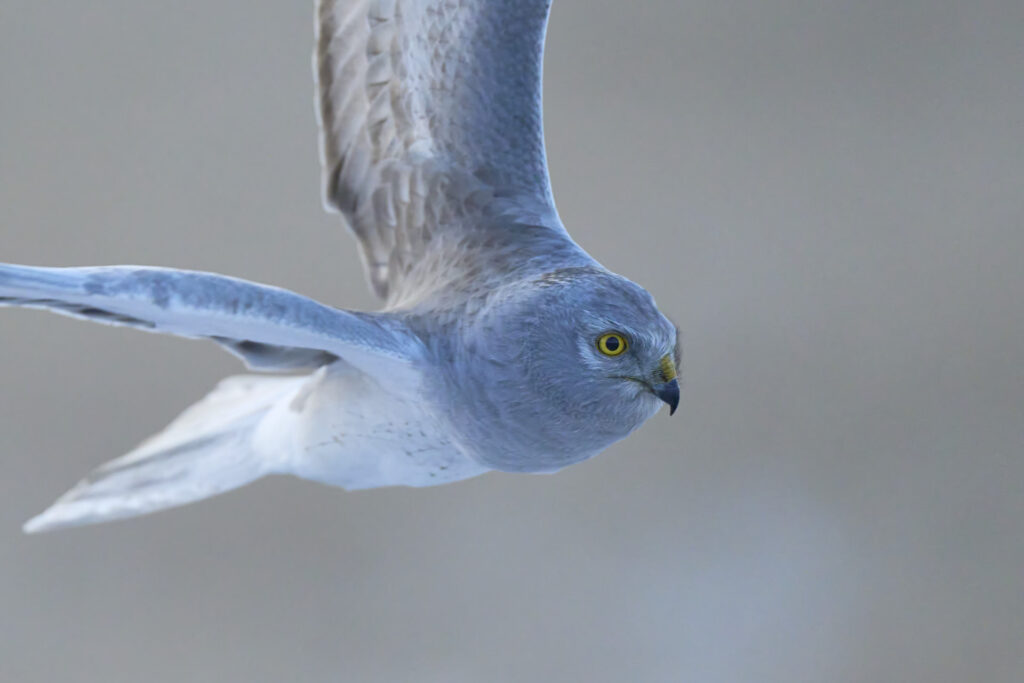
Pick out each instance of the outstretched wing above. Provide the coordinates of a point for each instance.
(270, 328)
(430, 125)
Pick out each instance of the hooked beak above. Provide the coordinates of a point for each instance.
(667, 387)
(669, 393)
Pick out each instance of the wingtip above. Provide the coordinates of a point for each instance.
(35, 525)
(53, 518)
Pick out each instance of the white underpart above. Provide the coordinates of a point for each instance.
(345, 428)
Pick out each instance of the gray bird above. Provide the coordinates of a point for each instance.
(502, 344)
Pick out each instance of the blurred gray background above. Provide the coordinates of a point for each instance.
(827, 196)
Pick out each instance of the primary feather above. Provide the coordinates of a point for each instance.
(257, 322)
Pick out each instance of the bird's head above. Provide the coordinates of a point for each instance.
(579, 360)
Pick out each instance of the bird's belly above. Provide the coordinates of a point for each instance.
(347, 430)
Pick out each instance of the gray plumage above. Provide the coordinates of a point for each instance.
(502, 345)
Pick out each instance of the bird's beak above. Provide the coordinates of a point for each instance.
(669, 393)
(666, 385)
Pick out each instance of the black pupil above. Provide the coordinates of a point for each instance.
(612, 344)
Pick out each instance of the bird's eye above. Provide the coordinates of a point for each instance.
(611, 344)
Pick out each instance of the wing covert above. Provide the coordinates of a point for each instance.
(430, 123)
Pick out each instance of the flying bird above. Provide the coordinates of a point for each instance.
(501, 345)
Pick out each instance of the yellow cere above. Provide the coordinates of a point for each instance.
(612, 344)
(668, 368)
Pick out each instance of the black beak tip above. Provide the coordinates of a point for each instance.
(669, 393)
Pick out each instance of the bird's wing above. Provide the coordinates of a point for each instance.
(430, 125)
(269, 328)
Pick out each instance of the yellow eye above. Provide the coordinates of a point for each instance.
(612, 344)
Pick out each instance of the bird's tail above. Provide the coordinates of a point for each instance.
(207, 450)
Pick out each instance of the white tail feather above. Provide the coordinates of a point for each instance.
(207, 450)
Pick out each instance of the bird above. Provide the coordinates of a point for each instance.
(501, 344)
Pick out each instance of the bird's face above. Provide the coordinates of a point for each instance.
(628, 353)
(631, 357)
(574, 367)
